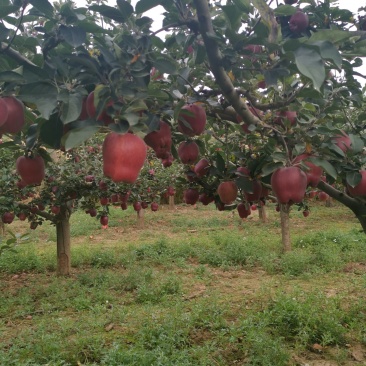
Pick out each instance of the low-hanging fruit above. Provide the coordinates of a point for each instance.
(160, 140)
(190, 196)
(15, 116)
(192, 120)
(227, 191)
(188, 152)
(31, 169)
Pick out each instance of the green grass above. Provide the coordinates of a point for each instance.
(195, 287)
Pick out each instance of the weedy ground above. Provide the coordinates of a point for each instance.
(192, 287)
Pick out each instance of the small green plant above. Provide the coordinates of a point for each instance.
(11, 243)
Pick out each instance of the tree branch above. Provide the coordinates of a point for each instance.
(15, 55)
(43, 214)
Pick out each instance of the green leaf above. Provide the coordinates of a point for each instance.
(6, 10)
(353, 178)
(243, 5)
(32, 136)
(332, 35)
(43, 6)
(132, 118)
(166, 65)
(329, 52)
(73, 35)
(71, 107)
(310, 64)
(232, 15)
(137, 105)
(270, 168)
(77, 136)
(328, 167)
(245, 184)
(199, 55)
(109, 12)
(42, 94)
(144, 5)
(51, 131)
(220, 163)
(356, 143)
(285, 10)
(125, 8)
(10, 77)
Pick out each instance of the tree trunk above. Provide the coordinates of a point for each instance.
(262, 213)
(140, 218)
(285, 227)
(328, 202)
(171, 203)
(63, 242)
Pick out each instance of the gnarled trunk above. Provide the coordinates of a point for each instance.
(285, 227)
(63, 242)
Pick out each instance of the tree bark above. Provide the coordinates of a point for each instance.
(262, 213)
(140, 218)
(63, 242)
(285, 227)
(171, 203)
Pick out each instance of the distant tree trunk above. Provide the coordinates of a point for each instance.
(262, 213)
(328, 202)
(285, 227)
(140, 218)
(356, 205)
(171, 203)
(63, 242)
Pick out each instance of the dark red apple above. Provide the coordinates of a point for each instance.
(289, 184)
(205, 198)
(22, 216)
(31, 169)
(299, 22)
(227, 191)
(103, 201)
(243, 210)
(154, 206)
(322, 196)
(202, 168)
(89, 178)
(192, 120)
(243, 171)
(103, 186)
(124, 206)
(15, 119)
(360, 189)
(144, 205)
(160, 141)
(253, 207)
(3, 111)
(55, 210)
(305, 213)
(188, 152)
(168, 161)
(8, 217)
(282, 116)
(104, 220)
(314, 173)
(220, 206)
(33, 225)
(170, 191)
(123, 157)
(41, 207)
(342, 141)
(137, 206)
(93, 212)
(114, 198)
(312, 194)
(190, 196)
(257, 192)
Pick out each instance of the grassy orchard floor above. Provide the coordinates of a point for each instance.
(194, 287)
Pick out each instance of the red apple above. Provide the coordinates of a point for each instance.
(15, 119)
(227, 192)
(188, 152)
(220, 206)
(92, 111)
(360, 189)
(243, 210)
(137, 206)
(192, 120)
(93, 212)
(202, 168)
(8, 217)
(305, 213)
(289, 184)
(104, 220)
(154, 206)
(342, 141)
(171, 191)
(314, 173)
(89, 178)
(103, 186)
(205, 198)
(190, 196)
(144, 205)
(278, 208)
(55, 210)
(123, 157)
(41, 207)
(3, 111)
(282, 116)
(124, 206)
(253, 207)
(257, 192)
(299, 22)
(33, 225)
(322, 196)
(103, 201)
(31, 169)
(160, 141)
(312, 194)
(243, 172)
(22, 216)
(168, 161)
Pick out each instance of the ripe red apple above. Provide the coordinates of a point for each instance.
(144, 205)
(93, 212)
(103, 201)
(227, 191)
(104, 220)
(192, 120)
(190, 196)
(314, 173)
(257, 192)
(3, 111)
(22, 216)
(305, 213)
(312, 194)
(360, 189)
(168, 161)
(220, 206)
(15, 119)
(322, 196)
(31, 169)
(289, 184)
(55, 210)
(188, 152)
(41, 207)
(170, 191)
(342, 141)
(137, 206)
(123, 157)
(243, 210)
(243, 171)
(92, 111)
(33, 225)
(124, 206)
(202, 168)
(103, 186)
(154, 206)
(253, 207)
(160, 141)
(205, 198)
(291, 116)
(262, 84)
(299, 22)
(8, 217)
